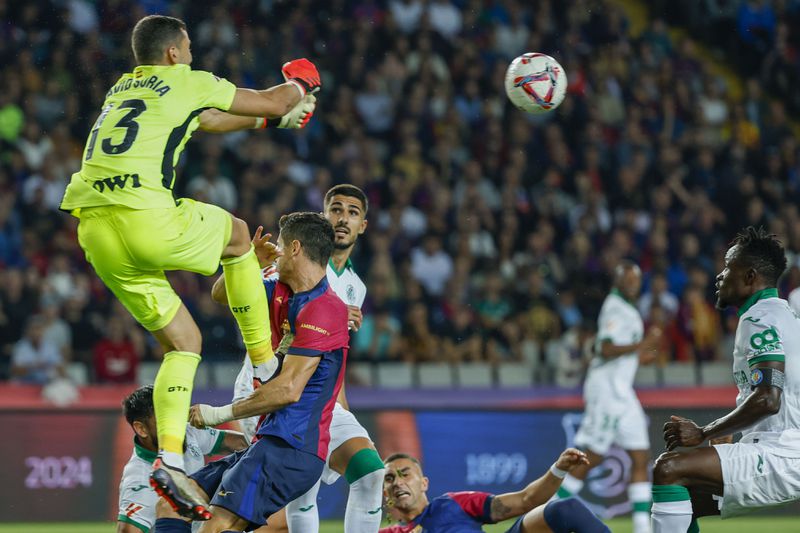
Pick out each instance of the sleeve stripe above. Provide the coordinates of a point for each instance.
(309, 352)
(131, 521)
(769, 357)
(218, 444)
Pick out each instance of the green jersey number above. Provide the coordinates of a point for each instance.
(137, 107)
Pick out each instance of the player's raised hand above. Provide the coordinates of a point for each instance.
(570, 458)
(354, 317)
(196, 417)
(304, 74)
(681, 431)
(266, 252)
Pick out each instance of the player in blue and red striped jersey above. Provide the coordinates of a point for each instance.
(405, 489)
(310, 339)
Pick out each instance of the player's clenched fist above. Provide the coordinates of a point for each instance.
(303, 73)
(570, 458)
(681, 431)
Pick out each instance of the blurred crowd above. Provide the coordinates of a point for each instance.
(491, 234)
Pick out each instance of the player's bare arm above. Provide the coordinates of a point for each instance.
(216, 121)
(284, 390)
(124, 527)
(511, 504)
(609, 350)
(266, 252)
(763, 402)
(301, 78)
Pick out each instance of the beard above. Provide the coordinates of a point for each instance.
(342, 245)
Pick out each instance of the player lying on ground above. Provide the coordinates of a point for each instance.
(351, 452)
(405, 489)
(137, 501)
(763, 468)
(309, 334)
(613, 413)
(132, 229)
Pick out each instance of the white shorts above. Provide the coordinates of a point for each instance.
(755, 476)
(607, 423)
(344, 427)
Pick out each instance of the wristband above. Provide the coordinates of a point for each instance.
(214, 416)
(560, 474)
(261, 123)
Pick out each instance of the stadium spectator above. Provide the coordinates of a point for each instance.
(35, 359)
(651, 156)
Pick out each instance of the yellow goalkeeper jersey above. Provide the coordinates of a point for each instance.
(134, 145)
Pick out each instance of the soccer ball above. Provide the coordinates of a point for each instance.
(535, 83)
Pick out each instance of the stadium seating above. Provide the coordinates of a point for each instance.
(434, 375)
(474, 375)
(680, 375)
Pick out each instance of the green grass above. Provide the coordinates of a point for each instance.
(760, 524)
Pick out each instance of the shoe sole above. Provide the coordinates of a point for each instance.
(197, 512)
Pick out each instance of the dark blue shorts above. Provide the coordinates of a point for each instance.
(256, 482)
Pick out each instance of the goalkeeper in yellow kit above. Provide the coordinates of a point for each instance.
(132, 229)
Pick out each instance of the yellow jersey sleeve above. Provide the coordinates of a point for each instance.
(136, 141)
(211, 90)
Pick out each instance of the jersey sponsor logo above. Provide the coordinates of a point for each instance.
(765, 341)
(117, 182)
(312, 327)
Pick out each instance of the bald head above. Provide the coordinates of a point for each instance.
(628, 279)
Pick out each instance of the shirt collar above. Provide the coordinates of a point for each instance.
(617, 292)
(347, 264)
(143, 453)
(763, 294)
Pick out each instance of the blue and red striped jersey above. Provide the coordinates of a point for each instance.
(314, 324)
(453, 512)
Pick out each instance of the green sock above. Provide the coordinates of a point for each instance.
(172, 395)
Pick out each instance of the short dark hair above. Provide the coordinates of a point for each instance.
(345, 189)
(396, 456)
(139, 405)
(763, 252)
(313, 231)
(152, 35)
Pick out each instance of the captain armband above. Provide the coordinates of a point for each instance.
(767, 377)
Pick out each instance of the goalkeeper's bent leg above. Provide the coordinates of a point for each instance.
(248, 302)
(172, 395)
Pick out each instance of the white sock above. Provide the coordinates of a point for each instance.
(175, 460)
(640, 493)
(672, 517)
(302, 515)
(363, 512)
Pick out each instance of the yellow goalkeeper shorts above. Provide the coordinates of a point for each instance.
(131, 248)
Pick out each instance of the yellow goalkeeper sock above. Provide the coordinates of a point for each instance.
(248, 302)
(172, 395)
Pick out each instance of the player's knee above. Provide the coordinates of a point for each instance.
(666, 469)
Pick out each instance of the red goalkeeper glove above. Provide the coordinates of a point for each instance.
(304, 74)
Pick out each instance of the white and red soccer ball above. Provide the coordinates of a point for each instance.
(535, 83)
